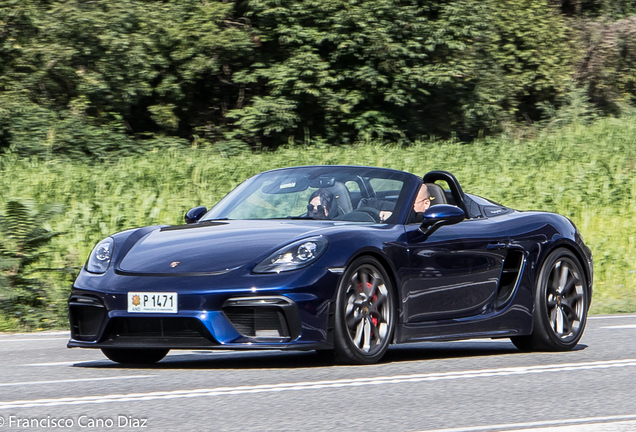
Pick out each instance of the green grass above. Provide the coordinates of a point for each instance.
(585, 172)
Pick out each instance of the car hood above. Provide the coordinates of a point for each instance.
(213, 247)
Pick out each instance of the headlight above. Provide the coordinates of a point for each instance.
(294, 256)
(100, 257)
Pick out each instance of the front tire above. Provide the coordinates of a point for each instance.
(137, 356)
(365, 313)
(561, 305)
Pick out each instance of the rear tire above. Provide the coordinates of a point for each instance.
(561, 305)
(365, 313)
(138, 356)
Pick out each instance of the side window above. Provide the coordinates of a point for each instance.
(386, 189)
(352, 186)
(354, 192)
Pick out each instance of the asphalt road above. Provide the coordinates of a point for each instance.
(452, 386)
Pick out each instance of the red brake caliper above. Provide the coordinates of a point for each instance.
(374, 298)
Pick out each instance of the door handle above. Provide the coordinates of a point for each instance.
(495, 246)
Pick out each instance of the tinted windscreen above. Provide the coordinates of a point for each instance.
(331, 192)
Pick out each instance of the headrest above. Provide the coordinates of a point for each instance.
(437, 193)
(343, 199)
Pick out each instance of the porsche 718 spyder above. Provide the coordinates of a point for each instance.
(349, 273)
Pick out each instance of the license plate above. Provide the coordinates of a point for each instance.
(155, 302)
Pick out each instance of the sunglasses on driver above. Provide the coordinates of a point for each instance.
(319, 209)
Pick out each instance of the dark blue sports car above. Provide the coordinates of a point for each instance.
(345, 260)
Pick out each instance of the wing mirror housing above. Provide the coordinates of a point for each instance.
(193, 215)
(440, 215)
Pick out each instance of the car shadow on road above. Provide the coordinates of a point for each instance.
(308, 359)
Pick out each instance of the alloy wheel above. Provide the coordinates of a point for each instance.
(368, 309)
(565, 299)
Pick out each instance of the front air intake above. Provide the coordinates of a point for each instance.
(258, 322)
(157, 327)
(86, 315)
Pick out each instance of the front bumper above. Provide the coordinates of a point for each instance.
(294, 314)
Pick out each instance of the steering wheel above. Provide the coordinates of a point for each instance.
(371, 211)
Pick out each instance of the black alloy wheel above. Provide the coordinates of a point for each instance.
(138, 356)
(561, 305)
(365, 313)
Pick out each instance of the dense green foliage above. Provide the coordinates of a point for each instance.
(24, 297)
(582, 171)
(87, 78)
(615, 9)
(347, 71)
(93, 78)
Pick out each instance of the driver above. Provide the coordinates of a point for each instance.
(321, 205)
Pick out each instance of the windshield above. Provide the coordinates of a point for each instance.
(347, 193)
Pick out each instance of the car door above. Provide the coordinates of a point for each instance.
(453, 272)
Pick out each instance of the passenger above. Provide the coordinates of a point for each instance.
(421, 204)
(322, 205)
(423, 200)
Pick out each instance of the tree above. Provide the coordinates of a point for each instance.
(398, 69)
(100, 78)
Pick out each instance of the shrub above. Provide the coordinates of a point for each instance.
(25, 297)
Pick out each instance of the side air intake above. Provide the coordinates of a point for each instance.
(510, 273)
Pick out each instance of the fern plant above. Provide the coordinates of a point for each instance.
(23, 297)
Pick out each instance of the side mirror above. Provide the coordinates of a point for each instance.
(440, 215)
(193, 215)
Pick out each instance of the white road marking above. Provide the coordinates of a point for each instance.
(627, 426)
(34, 339)
(628, 326)
(42, 333)
(314, 385)
(76, 380)
(548, 425)
(171, 355)
(600, 317)
(66, 363)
